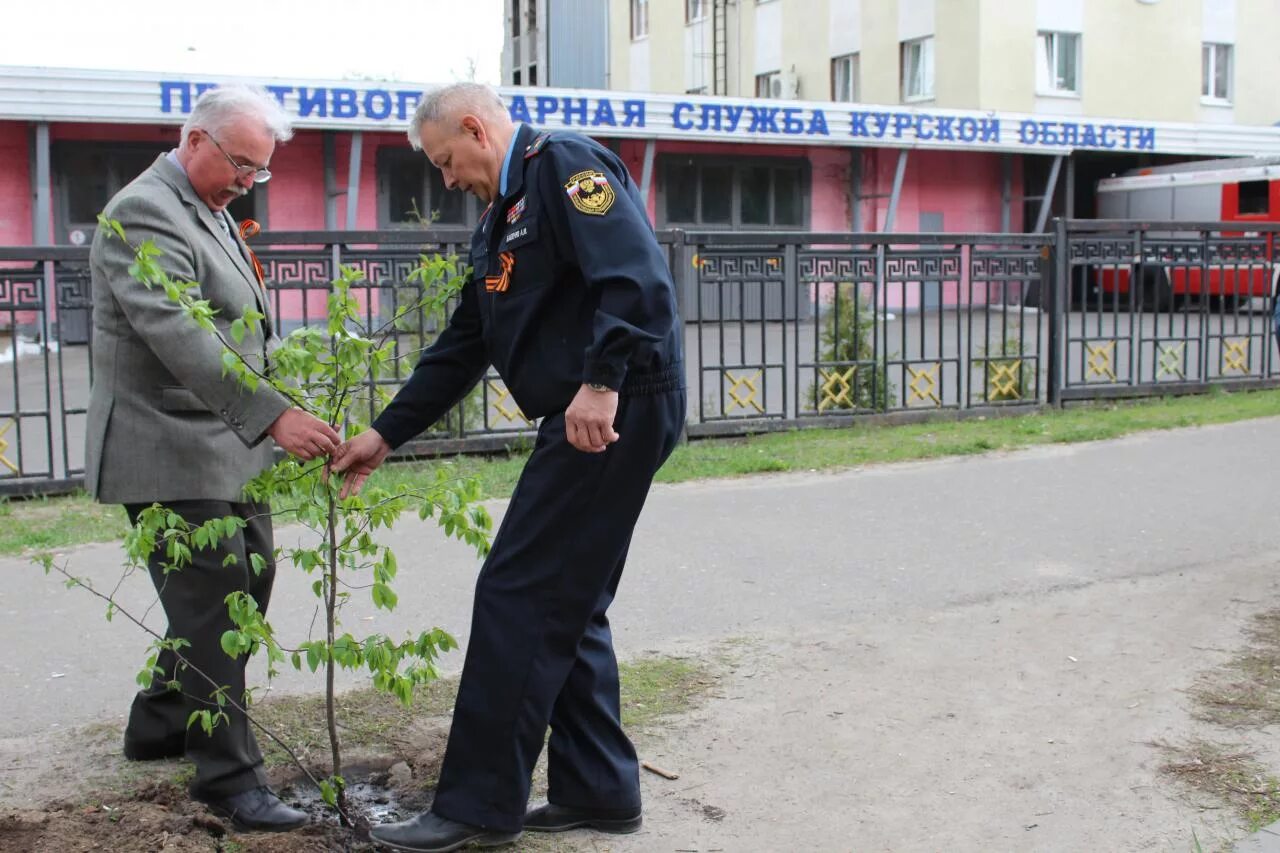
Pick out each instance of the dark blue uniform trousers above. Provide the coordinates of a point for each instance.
(540, 650)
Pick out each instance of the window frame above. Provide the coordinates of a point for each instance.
(388, 157)
(767, 79)
(690, 11)
(118, 174)
(738, 166)
(639, 19)
(1048, 61)
(853, 62)
(1208, 73)
(927, 55)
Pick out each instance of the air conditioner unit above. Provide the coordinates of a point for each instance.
(788, 83)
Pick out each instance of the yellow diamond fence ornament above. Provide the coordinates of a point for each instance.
(924, 383)
(511, 413)
(1101, 359)
(742, 398)
(837, 387)
(4, 445)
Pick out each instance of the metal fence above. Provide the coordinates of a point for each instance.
(781, 329)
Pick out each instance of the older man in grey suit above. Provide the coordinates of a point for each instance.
(166, 425)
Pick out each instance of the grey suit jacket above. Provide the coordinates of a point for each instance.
(164, 423)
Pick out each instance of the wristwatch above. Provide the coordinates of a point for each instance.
(596, 386)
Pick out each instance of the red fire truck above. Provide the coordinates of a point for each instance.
(1236, 190)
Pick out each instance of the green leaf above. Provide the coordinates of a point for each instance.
(384, 596)
(231, 643)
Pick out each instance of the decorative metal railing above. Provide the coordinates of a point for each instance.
(781, 329)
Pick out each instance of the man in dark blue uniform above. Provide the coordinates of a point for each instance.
(572, 301)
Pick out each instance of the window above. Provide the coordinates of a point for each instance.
(411, 192)
(639, 19)
(515, 18)
(917, 69)
(88, 174)
(694, 10)
(1215, 78)
(1058, 63)
(769, 85)
(1254, 197)
(844, 78)
(745, 193)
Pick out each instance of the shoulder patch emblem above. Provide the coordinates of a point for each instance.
(590, 192)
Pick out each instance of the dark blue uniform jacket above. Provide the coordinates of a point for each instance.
(568, 286)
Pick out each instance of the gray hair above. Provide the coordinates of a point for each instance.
(446, 101)
(219, 108)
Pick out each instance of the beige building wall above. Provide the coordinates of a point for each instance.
(804, 46)
(666, 46)
(619, 46)
(1153, 76)
(1005, 55)
(1138, 61)
(879, 55)
(1257, 71)
(742, 34)
(957, 57)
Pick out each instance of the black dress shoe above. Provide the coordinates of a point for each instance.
(553, 818)
(257, 810)
(430, 833)
(137, 750)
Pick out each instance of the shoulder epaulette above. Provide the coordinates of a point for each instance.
(536, 146)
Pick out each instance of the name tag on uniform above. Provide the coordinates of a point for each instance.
(524, 231)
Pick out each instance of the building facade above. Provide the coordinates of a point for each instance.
(1193, 62)
(822, 115)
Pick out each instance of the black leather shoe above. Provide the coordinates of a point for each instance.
(430, 833)
(136, 750)
(553, 818)
(257, 810)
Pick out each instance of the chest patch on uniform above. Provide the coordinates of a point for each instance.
(515, 211)
(590, 192)
(523, 231)
(500, 283)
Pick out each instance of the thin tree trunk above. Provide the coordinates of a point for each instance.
(330, 619)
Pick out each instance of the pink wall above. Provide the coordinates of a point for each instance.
(832, 207)
(297, 199)
(15, 185)
(965, 187)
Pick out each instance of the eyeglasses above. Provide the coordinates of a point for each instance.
(259, 176)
